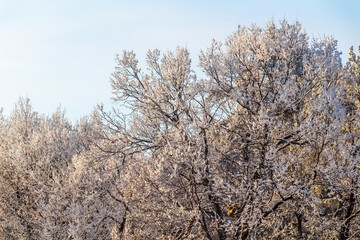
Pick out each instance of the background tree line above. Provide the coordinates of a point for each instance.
(264, 146)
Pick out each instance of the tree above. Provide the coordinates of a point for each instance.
(255, 150)
(36, 153)
(265, 145)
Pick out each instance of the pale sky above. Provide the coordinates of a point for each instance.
(62, 51)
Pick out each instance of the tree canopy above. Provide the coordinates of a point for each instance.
(264, 145)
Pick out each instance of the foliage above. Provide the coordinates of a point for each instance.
(264, 146)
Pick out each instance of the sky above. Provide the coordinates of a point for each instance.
(62, 52)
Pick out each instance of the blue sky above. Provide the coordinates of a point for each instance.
(62, 51)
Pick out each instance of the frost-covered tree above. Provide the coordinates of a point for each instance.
(264, 145)
(35, 164)
(257, 149)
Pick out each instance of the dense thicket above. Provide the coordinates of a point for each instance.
(264, 146)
